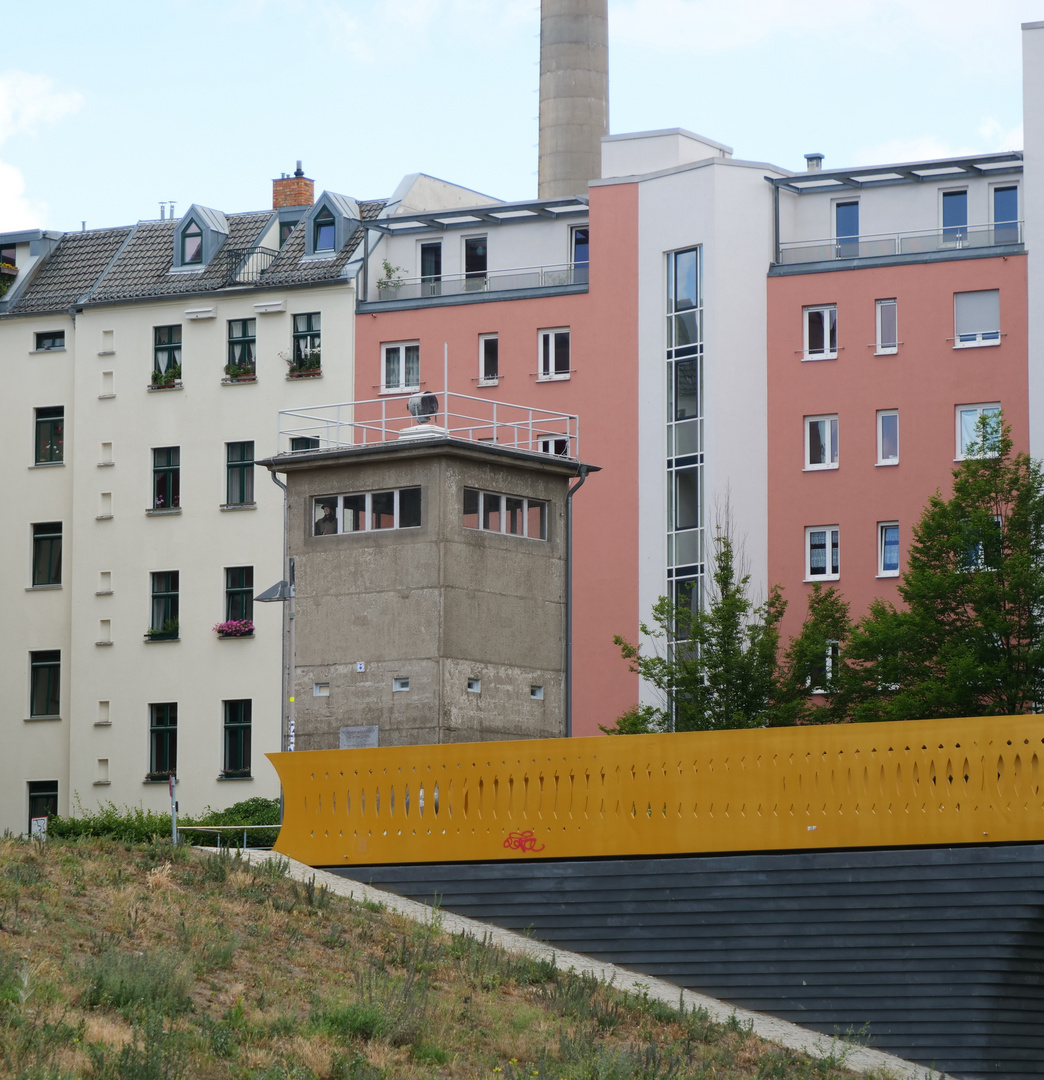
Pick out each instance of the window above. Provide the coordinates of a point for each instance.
(164, 604)
(163, 740)
(166, 477)
(50, 339)
(191, 244)
(324, 231)
(554, 353)
(237, 737)
(820, 442)
(240, 468)
(972, 439)
(45, 676)
(888, 549)
(846, 229)
(822, 562)
(50, 434)
(239, 593)
(474, 686)
(307, 339)
(285, 229)
(982, 543)
(888, 437)
(581, 245)
(821, 676)
(558, 447)
(1005, 215)
(489, 359)
(510, 514)
(167, 350)
(821, 332)
(431, 268)
(47, 553)
(976, 318)
(475, 262)
(43, 800)
(400, 685)
(303, 442)
(955, 216)
(887, 327)
(367, 512)
(242, 344)
(536, 693)
(401, 367)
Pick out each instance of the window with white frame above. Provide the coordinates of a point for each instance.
(366, 511)
(489, 359)
(888, 549)
(983, 543)
(822, 677)
(888, 437)
(887, 327)
(554, 353)
(821, 332)
(821, 442)
(976, 318)
(510, 514)
(400, 367)
(972, 440)
(822, 553)
(558, 447)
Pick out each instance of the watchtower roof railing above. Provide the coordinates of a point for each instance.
(360, 423)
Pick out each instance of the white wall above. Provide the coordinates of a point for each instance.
(1033, 213)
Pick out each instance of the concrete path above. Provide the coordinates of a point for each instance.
(782, 1032)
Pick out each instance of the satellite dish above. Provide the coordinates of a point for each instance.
(423, 406)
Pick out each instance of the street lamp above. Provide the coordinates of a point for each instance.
(283, 593)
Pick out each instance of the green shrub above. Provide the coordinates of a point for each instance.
(360, 1020)
(151, 981)
(132, 825)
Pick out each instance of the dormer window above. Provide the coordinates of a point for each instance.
(191, 244)
(325, 231)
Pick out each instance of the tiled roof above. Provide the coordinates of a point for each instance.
(70, 270)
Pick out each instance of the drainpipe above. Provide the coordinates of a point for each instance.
(569, 602)
(288, 624)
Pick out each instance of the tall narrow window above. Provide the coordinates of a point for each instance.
(166, 351)
(888, 437)
(554, 353)
(166, 477)
(821, 444)
(285, 229)
(976, 318)
(191, 244)
(846, 225)
(239, 593)
(240, 469)
(1006, 215)
(324, 231)
(955, 216)
(581, 238)
(50, 434)
(163, 740)
(45, 677)
(307, 339)
(401, 367)
(164, 604)
(237, 737)
(821, 332)
(888, 549)
(475, 262)
(242, 346)
(887, 327)
(489, 359)
(43, 801)
(47, 553)
(431, 268)
(822, 553)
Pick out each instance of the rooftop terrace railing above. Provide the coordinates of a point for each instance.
(361, 423)
(521, 277)
(953, 238)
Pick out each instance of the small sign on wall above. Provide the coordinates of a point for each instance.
(359, 737)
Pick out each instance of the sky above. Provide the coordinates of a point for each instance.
(111, 107)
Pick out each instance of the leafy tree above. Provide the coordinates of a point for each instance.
(970, 641)
(637, 720)
(810, 677)
(714, 667)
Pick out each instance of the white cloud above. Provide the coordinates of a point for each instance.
(27, 103)
(995, 138)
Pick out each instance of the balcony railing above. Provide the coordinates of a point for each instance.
(519, 277)
(953, 238)
(244, 266)
(361, 423)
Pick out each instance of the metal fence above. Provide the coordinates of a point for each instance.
(522, 277)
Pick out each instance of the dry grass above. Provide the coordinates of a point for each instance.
(121, 962)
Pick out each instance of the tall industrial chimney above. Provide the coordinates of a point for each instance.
(574, 94)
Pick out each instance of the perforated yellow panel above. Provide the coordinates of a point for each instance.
(959, 781)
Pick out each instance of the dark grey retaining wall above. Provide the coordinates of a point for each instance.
(939, 953)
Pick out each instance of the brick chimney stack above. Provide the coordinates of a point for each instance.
(296, 190)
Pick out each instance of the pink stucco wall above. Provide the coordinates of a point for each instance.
(924, 380)
(602, 390)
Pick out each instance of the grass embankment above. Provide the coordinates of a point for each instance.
(124, 961)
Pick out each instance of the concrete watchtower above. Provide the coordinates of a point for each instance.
(430, 592)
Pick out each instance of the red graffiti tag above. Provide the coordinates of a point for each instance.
(523, 841)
